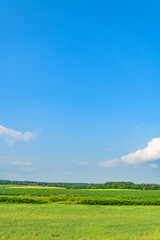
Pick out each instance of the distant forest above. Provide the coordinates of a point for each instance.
(107, 185)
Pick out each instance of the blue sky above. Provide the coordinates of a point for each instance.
(82, 78)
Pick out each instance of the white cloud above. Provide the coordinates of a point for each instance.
(150, 153)
(110, 163)
(83, 163)
(11, 136)
(22, 163)
(153, 165)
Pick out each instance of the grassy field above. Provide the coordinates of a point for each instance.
(78, 222)
(67, 214)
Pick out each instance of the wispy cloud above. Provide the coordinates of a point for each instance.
(110, 163)
(83, 163)
(66, 173)
(150, 128)
(11, 136)
(22, 163)
(154, 165)
(150, 153)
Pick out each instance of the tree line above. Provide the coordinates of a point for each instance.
(107, 185)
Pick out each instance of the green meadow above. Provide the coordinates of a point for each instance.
(78, 222)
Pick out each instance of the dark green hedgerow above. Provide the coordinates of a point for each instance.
(119, 201)
(80, 200)
(22, 200)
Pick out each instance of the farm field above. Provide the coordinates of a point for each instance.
(88, 197)
(41, 213)
(34, 187)
(51, 191)
(78, 222)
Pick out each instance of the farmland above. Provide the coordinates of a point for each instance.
(40, 213)
(88, 197)
(45, 191)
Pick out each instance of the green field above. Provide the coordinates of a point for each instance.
(44, 191)
(78, 222)
(49, 213)
(89, 197)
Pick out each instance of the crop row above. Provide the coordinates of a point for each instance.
(83, 193)
(79, 200)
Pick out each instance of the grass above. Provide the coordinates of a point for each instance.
(78, 222)
(67, 214)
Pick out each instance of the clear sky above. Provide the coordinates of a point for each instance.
(80, 90)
